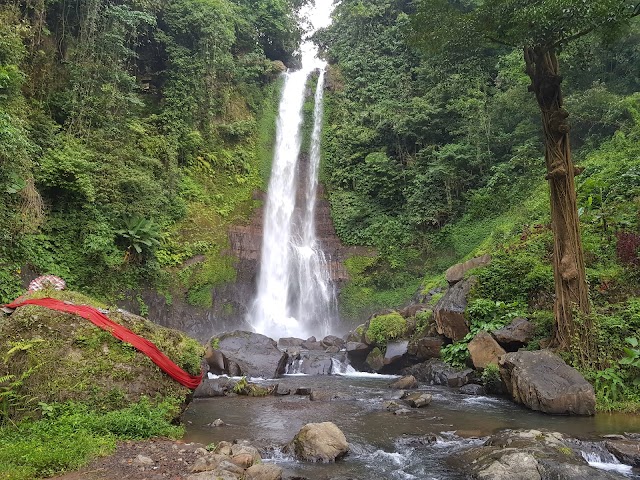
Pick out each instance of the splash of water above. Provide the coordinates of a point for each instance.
(295, 296)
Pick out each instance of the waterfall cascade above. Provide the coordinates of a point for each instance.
(295, 296)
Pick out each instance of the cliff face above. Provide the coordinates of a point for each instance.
(232, 301)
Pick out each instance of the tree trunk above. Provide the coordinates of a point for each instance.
(568, 262)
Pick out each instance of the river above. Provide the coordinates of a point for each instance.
(383, 445)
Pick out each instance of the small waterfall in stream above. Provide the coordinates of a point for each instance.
(295, 296)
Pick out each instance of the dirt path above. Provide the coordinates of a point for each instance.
(156, 459)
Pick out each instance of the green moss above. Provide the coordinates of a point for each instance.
(370, 289)
(386, 327)
(73, 360)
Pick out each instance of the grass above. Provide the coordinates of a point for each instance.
(70, 435)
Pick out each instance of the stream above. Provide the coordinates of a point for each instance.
(420, 445)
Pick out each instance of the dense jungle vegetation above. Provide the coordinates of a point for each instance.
(133, 132)
(433, 153)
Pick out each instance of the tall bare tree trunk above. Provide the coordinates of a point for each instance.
(568, 261)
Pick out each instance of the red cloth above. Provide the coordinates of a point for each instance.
(122, 333)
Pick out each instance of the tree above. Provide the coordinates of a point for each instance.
(540, 28)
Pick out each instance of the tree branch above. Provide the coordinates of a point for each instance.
(571, 38)
(501, 42)
(636, 11)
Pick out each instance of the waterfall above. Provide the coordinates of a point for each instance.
(295, 296)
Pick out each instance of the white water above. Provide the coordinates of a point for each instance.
(295, 296)
(606, 462)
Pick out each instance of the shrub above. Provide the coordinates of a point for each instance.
(386, 327)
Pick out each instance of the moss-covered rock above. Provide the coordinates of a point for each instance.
(62, 357)
(386, 327)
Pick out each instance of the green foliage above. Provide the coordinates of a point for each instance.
(366, 293)
(70, 435)
(424, 319)
(491, 377)
(482, 315)
(456, 354)
(632, 359)
(146, 111)
(240, 385)
(386, 327)
(139, 234)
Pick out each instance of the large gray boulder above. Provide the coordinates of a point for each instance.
(527, 455)
(248, 353)
(542, 381)
(449, 311)
(319, 442)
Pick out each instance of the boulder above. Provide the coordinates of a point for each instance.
(332, 341)
(357, 353)
(357, 347)
(449, 311)
(375, 359)
(319, 442)
(395, 351)
(357, 335)
(411, 310)
(263, 471)
(542, 381)
(418, 399)
(456, 273)
(425, 347)
(436, 372)
(515, 335)
(484, 350)
(626, 451)
(254, 355)
(472, 389)
(215, 359)
(316, 362)
(244, 455)
(79, 362)
(526, 455)
(404, 383)
(208, 462)
(288, 342)
(212, 387)
(312, 345)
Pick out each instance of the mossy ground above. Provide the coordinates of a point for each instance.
(70, 359)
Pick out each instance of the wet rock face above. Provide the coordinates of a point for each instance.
(542, 381)
(250, 354)
(319, 442)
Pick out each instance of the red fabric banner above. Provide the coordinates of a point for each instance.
(100, 320)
